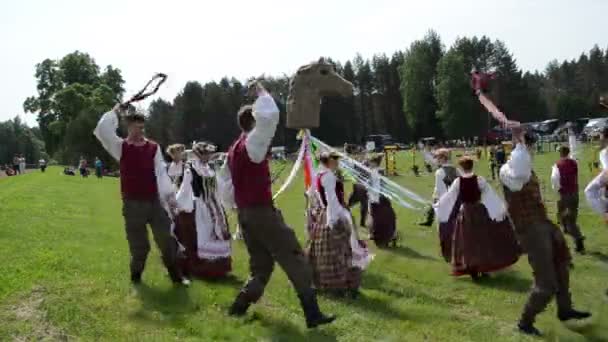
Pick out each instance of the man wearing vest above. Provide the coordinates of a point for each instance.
(267, 236)
(444, 177)
(146, 190)
(564, 179)
(541, 239)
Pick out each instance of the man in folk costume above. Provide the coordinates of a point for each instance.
(359, 195)
(335, 252)
(540, 238)
(201, 225)
(484, 240)
(429, 161)
(146, 191)
(444, 177)
(384, 220)
(564, 179)
(267, 236)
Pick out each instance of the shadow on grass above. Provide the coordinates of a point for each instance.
(283, 330)
(509, 281)
(230, 280)
(409, 253)
(599, 256)
(172, 304)
(378, 282)
(589, 330)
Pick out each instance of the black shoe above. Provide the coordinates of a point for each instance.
(239, 306)
(353, 293)
(136, 278)
(528, 329)
(573, 314)
(177, 278)
(425, 224)
(314, 316)
(580, 246)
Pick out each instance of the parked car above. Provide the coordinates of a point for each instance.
(594, 127)
(380, 140)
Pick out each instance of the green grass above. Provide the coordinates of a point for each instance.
(64, 275)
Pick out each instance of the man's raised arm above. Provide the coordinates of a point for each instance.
(106, 133)
(266, 114)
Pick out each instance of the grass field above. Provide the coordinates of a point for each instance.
(64, 276)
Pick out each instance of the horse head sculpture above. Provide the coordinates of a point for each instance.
(306, 89)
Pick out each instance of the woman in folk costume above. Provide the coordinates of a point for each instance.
(483, 239)
(383, 229)
(445, 175)
(336, 254)
(176, 168)
(201, 226)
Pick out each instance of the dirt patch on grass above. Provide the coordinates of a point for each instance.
(30, 314)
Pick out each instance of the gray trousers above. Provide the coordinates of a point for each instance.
(269, 239)
(137, 215)
(567, 211)
(544, 243)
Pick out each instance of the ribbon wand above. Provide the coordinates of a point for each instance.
(149, 89)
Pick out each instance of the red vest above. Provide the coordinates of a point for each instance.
(251, 181)
(339, 190)
(568, 176)
(469, 190)
(137, 172)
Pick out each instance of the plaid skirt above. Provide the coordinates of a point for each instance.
(330, 255)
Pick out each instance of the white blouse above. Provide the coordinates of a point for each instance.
(176, 169)
(595, 194)
(518, 169)
(335, 210)
(266, 114)
(496, 207)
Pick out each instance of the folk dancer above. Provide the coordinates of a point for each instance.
(540, 238)
(201, 225)
(267, 236)
(335, 252)
(483, 239)
(595, 193)
(146, 191)
(564, 179)
(359, 195)
(444, 177)
(384, 221)
(176, 167)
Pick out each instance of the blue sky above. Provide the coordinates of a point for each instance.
(205, 40)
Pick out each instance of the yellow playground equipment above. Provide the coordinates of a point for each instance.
(390, 156)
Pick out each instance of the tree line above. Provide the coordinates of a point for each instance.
(420, 91)
(16, 138)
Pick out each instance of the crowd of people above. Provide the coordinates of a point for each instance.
(187, 203)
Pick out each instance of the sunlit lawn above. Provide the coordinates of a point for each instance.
(64, 275)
